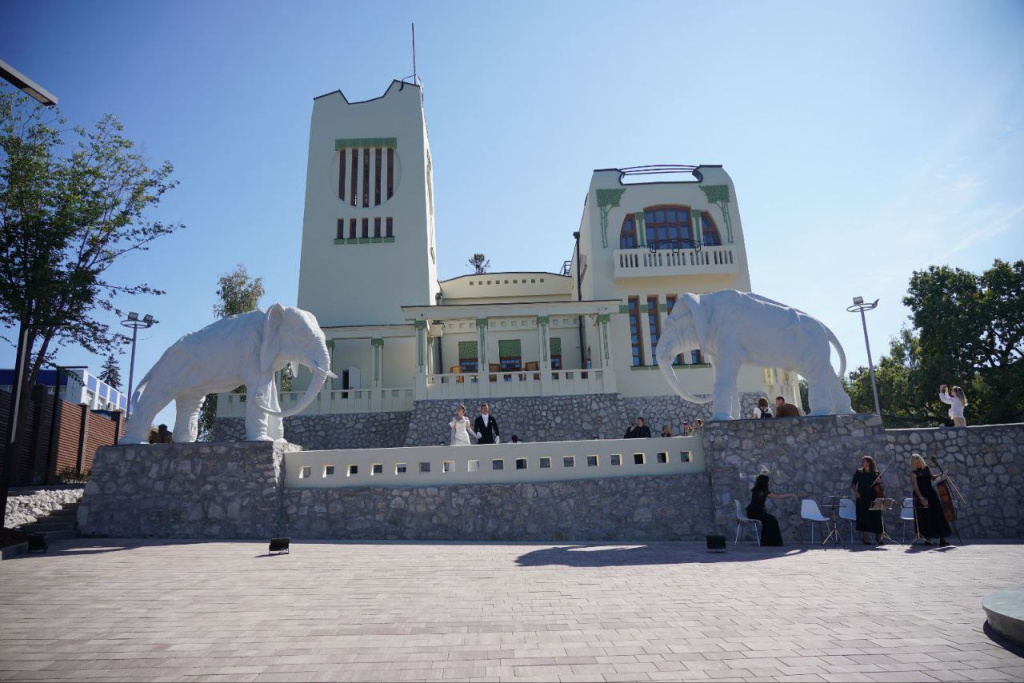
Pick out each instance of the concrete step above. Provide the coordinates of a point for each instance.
(62, 513)
(44, 526)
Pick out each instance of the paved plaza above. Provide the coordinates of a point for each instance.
(153, 610)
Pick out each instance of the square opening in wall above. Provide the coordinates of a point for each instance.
(305, 472)
(639, 459)
(353, 470)
(685, 456)
(569, 461)
(662, 458)
(473, 466)
(328, 470)
(520, 463)
(591, 461)
(424, 467)
(615, 459)
(497, 464)
(376, 468)
(545, 463)
(401, 468)
(447, 466)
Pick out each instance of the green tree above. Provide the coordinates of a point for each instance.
(73, 203)
(237, 293)
(479, 263)
(111, 372)
(904, 402)
(971, 331)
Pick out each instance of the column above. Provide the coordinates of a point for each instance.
(697, 226)
(608, 372)
(421, 359)
(641, 231)
(330, 357)
(376, 395)
(547, 387)
(481, 346)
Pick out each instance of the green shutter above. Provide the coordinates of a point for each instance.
(555, 344)
(467, 350)
(510, 348)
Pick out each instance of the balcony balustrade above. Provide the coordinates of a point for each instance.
(329, 402)
(641, 262)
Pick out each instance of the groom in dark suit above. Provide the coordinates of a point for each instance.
(486, 427)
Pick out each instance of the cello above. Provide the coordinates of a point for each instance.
(946, 489)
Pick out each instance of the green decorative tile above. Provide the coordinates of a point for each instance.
(365, 142)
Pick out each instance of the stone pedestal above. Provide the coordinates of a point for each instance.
(193, 490)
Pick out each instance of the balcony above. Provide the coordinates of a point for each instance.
(518, 383)
(641, 262)
(329, 402)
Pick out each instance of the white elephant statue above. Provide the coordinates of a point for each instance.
(244, 349)
(734, 328)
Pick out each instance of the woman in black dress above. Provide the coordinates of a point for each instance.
(931, 520)
(865, 487)
(759, 495)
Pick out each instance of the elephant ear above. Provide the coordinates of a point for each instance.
(271, 327)
(700, 317)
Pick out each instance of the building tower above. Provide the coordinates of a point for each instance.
(368, 227)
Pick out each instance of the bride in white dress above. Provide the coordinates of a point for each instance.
(460, 427)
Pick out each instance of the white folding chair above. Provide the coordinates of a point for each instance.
(742, 521)
(848, 511)
(907, 515)
(809, 510)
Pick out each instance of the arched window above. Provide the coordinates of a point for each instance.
(669, 226)
(711, 236)
(627, 237)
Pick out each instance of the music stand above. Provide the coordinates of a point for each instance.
(835, 526)
(883, 505)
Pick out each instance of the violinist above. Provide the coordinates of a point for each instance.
(931, 520)
(867, 486)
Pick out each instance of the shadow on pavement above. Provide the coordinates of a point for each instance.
(632, 554)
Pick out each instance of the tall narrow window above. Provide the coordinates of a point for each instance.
(341, 229)
(627, 236)
(635, 334)
(697, 356)
(710, 230)
(376, 227)
(653, 324)
(353, 183)
(376, 177)
(468, 356)
(670, 303)
(555, 347)
(366, 228)
(352, 228)
(388, 232)
(391, 172)
(366, 177)
(341, 177)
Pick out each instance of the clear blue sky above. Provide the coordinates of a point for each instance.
(865, 140)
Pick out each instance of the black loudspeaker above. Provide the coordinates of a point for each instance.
(36, 543)
(279, 545)
(716, 544)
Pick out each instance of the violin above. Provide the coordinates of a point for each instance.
(945, 494)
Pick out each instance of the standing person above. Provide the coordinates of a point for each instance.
(485, 427)
(866, 487)
(762, 411)
(957, 401)
(665, 431)
(759, 495)
(642, 431)
(931, 520)
(698, 425)
(460, 427)
(687, 429)
(783, 409)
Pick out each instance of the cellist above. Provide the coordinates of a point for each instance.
(931, 520)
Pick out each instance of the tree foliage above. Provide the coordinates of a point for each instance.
(111, 372)
(73, 203)
(237, 293)
(968, 330)
(479, 263)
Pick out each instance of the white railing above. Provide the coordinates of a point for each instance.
(329, 402)
(514, 383)
(493, 464)
(642, 262)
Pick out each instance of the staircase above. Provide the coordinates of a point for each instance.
(60, 523)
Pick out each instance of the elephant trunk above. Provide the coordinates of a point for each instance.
(668, 349)
(321, 371)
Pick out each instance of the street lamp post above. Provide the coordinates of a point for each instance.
(133, 322)
(859, 307)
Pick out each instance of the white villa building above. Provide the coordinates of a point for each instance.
(399, 335)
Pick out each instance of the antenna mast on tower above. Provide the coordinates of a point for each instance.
(415, 78)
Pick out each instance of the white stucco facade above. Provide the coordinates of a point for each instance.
(396, 334)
